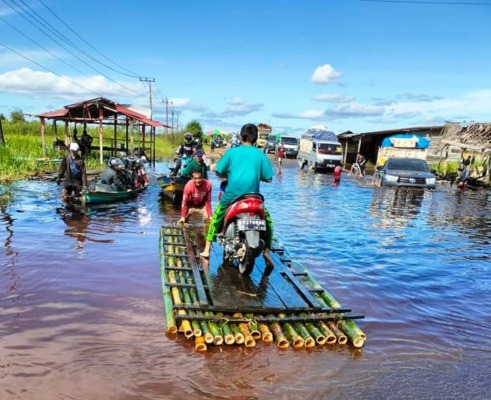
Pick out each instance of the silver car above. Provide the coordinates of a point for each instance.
(408, 172)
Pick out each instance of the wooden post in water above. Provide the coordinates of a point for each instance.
(43, 134)
(101, 155)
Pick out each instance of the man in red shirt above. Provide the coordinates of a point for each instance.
(196, 198)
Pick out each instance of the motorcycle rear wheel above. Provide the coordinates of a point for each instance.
(247, 264)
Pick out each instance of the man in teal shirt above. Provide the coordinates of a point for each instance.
(245, 167)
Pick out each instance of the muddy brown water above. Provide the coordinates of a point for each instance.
(81, 311)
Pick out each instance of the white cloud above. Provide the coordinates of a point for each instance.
(37, 83)
(9, 58)
(325, 74)
(333, 98)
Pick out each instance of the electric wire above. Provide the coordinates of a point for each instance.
(60, 44)
(45, 68)
(130, 74)
(41, 46)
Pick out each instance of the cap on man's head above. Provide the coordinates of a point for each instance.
(74, 147)
(198, 153)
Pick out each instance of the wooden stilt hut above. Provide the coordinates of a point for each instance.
(101, 111)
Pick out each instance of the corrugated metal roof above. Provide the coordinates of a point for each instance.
(94, 109)
(346, 135)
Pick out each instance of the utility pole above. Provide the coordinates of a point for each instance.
(172, 119)
(149, 80)
(166, 101)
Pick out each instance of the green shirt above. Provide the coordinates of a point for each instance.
(194, 165)
(245, 167)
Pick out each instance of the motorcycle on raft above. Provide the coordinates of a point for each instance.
(243, 237)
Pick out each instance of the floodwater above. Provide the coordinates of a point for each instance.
(81, 310)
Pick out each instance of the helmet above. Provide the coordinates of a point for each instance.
(188, 136)
(74, 146)
(115, 162)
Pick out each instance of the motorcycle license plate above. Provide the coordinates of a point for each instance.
(252, 224)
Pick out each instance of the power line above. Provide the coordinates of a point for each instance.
(41, 46)
(49, 27)
(446, 3)
(131, 74)
(43, 67)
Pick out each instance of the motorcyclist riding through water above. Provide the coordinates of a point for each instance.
(185, 151)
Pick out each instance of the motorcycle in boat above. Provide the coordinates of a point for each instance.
(244, 232)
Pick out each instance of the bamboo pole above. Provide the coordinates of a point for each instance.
(215, 330)
(253, 327)
(279, 337)
(228, 335)
(170, 320)
(304, 333)
(244, 328)
(176, 296)
(294, 338)
(314, 332)
(328, 333)
(355, 338)
(199, 344)
(266, 334)
(340, 336)
(238, 335)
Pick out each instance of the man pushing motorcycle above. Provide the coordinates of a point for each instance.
(245, 167)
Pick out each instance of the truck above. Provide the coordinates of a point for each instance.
(290, 143)
(402, 145)
(319, 150)
(264, 130)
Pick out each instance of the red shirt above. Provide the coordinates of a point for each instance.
(280, 152)
(193, 197)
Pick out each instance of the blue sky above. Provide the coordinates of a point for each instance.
(346, 64)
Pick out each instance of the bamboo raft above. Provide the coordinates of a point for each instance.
(212, 304)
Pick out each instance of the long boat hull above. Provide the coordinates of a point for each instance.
(99, 196)
(170, 188)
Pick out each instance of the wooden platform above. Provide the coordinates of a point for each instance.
(285, 293)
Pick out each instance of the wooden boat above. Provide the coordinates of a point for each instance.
(172, 187)
(103, 194)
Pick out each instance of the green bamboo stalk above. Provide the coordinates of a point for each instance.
(314, 331)
(340, 336)
(253, 327)
(330, 336)
(279, 337)
(355, 327)
(239, 336)
(170, 320)
(215, 330)
(249, 341)
(355, 339)
(304, 333)
(291, 334)
(206, 332)
(228, 335)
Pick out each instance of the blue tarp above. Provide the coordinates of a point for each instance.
(321, 134)
(421, 142)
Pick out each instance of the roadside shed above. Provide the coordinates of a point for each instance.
(368, 143)
(102, 111)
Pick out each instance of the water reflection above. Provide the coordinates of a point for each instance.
(397, 207)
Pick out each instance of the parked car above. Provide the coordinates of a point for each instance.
(408, 172)
(271, 143)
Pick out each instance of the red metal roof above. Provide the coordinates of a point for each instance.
(96, 109)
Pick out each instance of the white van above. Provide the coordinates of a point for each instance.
(290, 143)
(319, 149)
